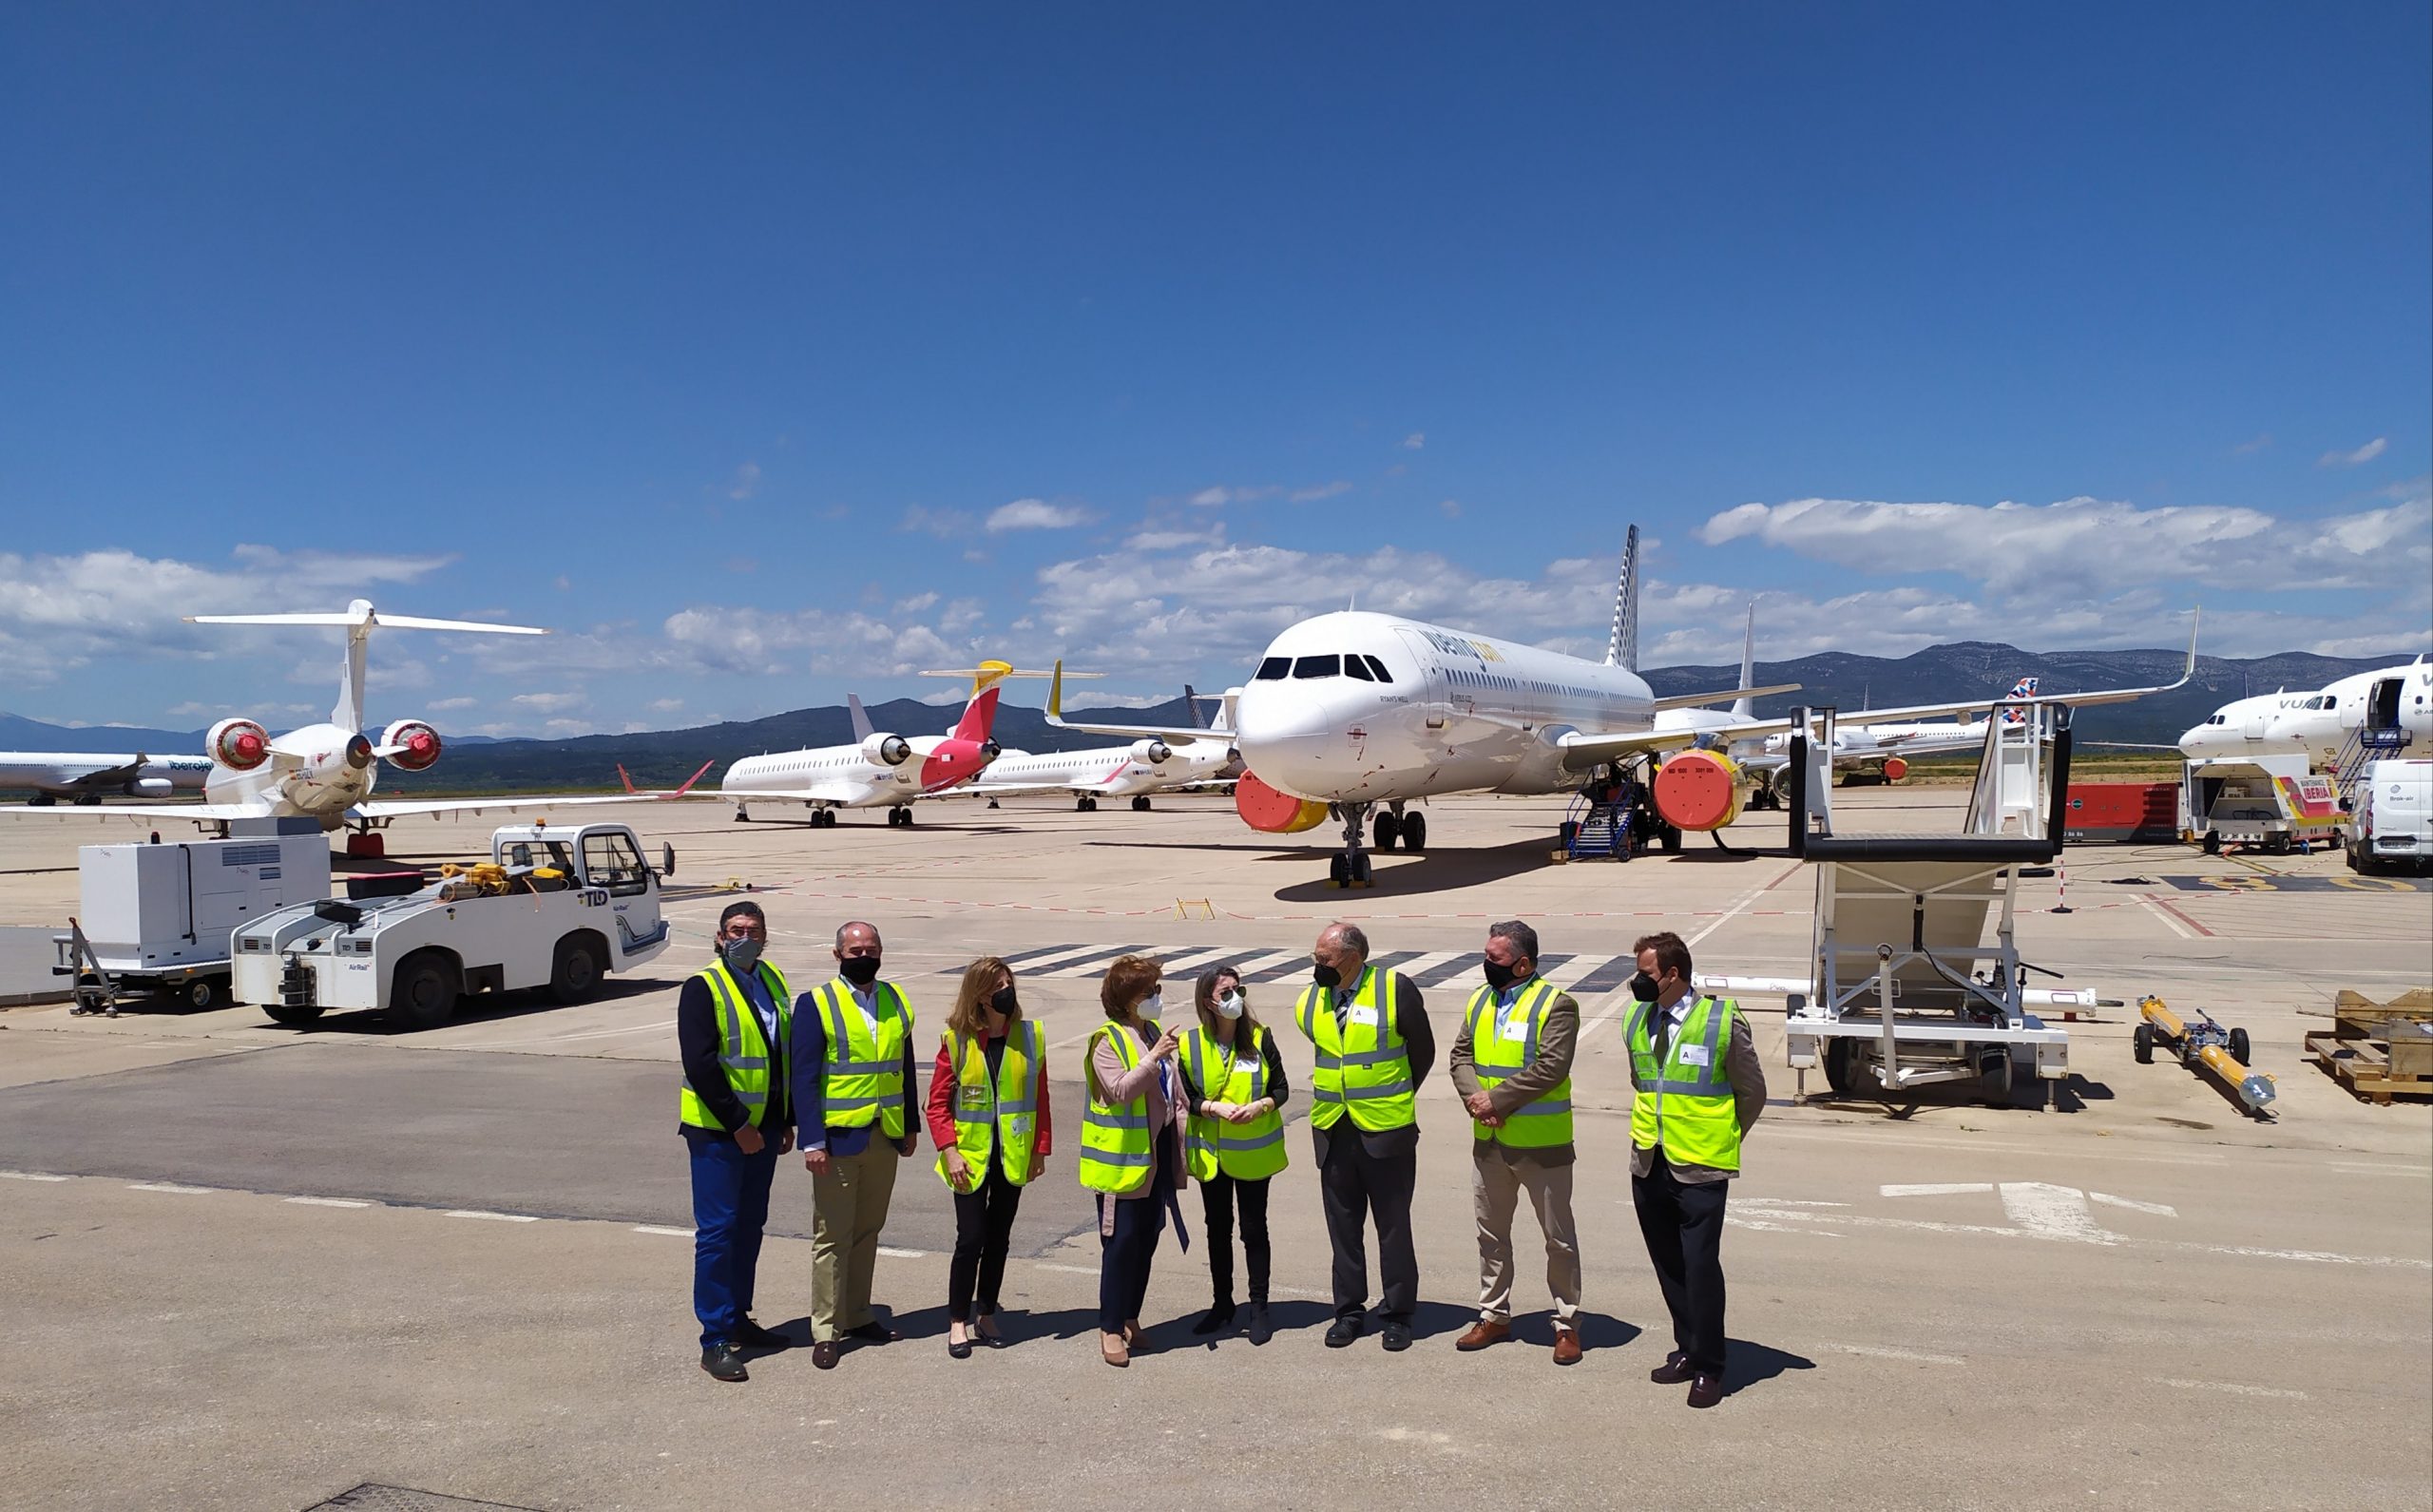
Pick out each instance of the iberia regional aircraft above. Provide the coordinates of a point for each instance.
(1355, 712)
(1146, 766)
(876, 770)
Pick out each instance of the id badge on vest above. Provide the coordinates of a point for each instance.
(1365, 1017)
(1696, 1055)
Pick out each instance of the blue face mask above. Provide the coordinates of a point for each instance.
(741, 955)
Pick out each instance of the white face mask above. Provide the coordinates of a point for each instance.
(1230, 1006)
(1153, 1004)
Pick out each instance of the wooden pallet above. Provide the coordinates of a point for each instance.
(2365, 1066)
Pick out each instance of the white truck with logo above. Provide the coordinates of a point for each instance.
(2393, 822)
(554, 908)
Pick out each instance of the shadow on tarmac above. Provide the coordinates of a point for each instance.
(1747, 1365)
(481, 1008)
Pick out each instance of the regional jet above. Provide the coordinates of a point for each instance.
(1148, 765)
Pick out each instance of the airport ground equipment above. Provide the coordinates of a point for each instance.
(157, 918)
(2379, 1050)
(2273, 802)
(2202, 1042)
(553, 907)
(2132, 813)
(2391, 818)
(1905, 988)
(1592, 831)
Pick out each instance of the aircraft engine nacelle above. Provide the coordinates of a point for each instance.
(239, 745)
(1895, 769)
(887, 750)
(1156, 752)
(990, 751)
(1699, 790)
(1271, 812)
(150, 788)
(412, 746)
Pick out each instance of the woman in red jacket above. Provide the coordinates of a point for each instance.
(988, 1114)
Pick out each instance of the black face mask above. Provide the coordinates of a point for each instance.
(1326, 976)
(1001, 1002)
(1643, 987)
(1498, 977)
(861, 970)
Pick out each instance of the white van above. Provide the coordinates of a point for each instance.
(2393, 821)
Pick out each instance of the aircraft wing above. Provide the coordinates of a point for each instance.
(207, 812)
(511, 803)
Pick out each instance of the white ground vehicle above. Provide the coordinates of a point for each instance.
(2271, 801)
(2393, 821)
(158, 917)
(554, 908)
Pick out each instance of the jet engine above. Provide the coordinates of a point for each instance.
(239, 745)
(990, 751)
(358, 751)
(1154, 752)
(1271, 812)
(150, 788)
(1699, 790)
(887, 750)
(410, 746)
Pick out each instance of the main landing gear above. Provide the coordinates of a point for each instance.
(1140, 803)
(901, 813)
(1395, 827)
(1085, 804)
(823, 818)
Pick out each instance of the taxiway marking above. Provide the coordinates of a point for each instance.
(328, 1202)
(31, 1175)
(495, 1217)
(2234, 1388)
(169, 1186)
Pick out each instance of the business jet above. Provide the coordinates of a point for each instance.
(1148, 766)
(2383, 712)
(1354, 711)
(889, 771)
(323, 772)
(84, 777)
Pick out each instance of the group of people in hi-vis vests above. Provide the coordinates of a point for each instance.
(1199, 1100)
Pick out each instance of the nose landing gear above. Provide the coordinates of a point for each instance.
(1351, 869)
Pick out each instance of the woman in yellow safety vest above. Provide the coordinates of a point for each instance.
(1131, 1145)
(1233, 1084)
(987, 1114)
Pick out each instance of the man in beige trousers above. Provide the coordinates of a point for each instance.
(1512, 1065)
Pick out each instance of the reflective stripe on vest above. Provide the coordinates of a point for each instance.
(1246, 1152)
(1362, 1069)
(744, 1052)
(1116, 1147)
(861, 1079)
(996, 1115)
(1685, 1107)
(1546, 1120)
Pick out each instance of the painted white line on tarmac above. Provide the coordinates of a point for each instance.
(328, 1202)
(1878, 1352)
(169, 1186)
(1068, 1270)
(1744, 901)
(894, 1253)
(31, 1175)
(653, 1228)
(2159, 1209)
(495, 1217)
(1933, 1189)
(1763, 1227)
(2175, 927)
(2236, 1388)
(2344, 1168)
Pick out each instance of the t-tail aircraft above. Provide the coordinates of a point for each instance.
(1356, 714)
(1149, 765)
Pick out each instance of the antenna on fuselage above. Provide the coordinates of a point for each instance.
(1623, 650)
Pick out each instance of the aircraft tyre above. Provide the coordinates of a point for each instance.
(42, 801)
(1414, 829)
(574, 976)
(1388, 832)
(1339, 871)
(1996, 1069)
(1360, 873)
(2213, 842)
(1670, 838)
(423, 993)
(1140, 803)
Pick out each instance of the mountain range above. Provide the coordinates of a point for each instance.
(664, 758)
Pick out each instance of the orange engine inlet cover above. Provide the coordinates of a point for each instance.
(1895, 769)
(1698, 790)
(1271, 812)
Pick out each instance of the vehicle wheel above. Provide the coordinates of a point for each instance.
(1564, 835)
(2213, 842)
(281, 1013)
(1414, 828)
(206, 992)
(575, 975)
(2141, 1043)
(2242, 1047)
(2280, 845)
(423, 993)
(1360, 873)
(1670, 838)
(1338, 870)
(1837, 1065)
(2351, 851)
(1386, 831)
(1996, 1069)
(741, 817)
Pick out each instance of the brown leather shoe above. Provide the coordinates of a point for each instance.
(824, 1354)
(1483, 1332)
(1112, 1350)
(1566, 1345)
(1706, 1390)
(1675, 1369)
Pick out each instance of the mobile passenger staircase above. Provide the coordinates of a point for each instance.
(1592, 831)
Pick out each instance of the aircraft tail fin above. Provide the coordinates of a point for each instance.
(361, 620)
(862, 730)
(1745, 707)
(1191, 706)
(1622, 650)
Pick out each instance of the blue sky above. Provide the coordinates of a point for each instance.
(769, 352)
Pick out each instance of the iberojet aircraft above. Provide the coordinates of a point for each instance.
(1354, 711)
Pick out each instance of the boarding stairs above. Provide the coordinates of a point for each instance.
(1596, 831)
(2365, 746)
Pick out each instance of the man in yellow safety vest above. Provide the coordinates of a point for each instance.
(1697, 1087)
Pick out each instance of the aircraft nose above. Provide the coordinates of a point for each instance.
(1292, 738)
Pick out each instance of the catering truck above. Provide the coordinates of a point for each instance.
(554, 908)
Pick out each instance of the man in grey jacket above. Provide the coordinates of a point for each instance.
(1511, 1063)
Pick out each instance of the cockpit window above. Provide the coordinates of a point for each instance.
(1354, 667)
(1379, 667)
(1326, 666)
(1274, 669)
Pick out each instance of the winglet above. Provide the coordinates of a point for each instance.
(862, 728)
(1056, 694)
(2195, 619)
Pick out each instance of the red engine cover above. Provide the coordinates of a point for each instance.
(1895, 769)
(413, 745)
(1698, 790)
(239, 745)
(1271, 812)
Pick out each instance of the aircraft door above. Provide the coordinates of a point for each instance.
(1434, 692)
(2381, 705)
(2256, 720)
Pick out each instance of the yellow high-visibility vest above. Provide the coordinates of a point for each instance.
(1684, 1104)
(1117, 1148)
(1363, 1067)
(749, 1062)
(1545, 1120)
(996, 1116)
(1246, 1152)
(862, 1076)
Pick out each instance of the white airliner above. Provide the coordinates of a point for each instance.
(1876, 749)
(2386, 711)
(1354, 711)
(889, 771)
(1149, 765)
(322, 771)
(86, 777)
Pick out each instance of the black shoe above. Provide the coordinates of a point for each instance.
(725, 1361)
(1706, 1390)
(1675, 1369)
(1395, 1335)
(824, 1353)
(1342, 1331)
(756, 1337)
(1261, 1331)
(1215, 1321)
(873, 1332)
(961, 1351)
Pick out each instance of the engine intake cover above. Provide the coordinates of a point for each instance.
(239, 745)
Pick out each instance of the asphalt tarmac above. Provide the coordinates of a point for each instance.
(254, 1267)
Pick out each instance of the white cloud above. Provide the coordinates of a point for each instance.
(2251, 447)
(1035, 514)
(550, 702)
(916, 604)
(747, 482)
(2352, 459)
(665, 706)
(442, 705)
(721, 638)
(1450, 508)
(1415, 441)
(1168, 540)
(946, 525)
(1212, 497)
(1322, 490)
